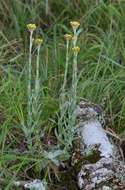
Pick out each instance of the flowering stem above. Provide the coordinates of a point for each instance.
(74, 73)
(66, 71)
(37, 73)
(29, 81)
(74, 79)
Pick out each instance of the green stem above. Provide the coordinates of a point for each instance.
(74, 73)
(29, 107)
(37, 73)
(66, 71)
(74, 80)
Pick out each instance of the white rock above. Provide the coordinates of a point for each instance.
(36, 185)
(91, 133)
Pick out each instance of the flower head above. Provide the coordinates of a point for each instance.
(74, 24)
(76, 49)
(31, 27)
(38, 41)
(68, 36)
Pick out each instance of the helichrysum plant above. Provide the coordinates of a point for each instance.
(27, 127)
(33, 93)
(62, 120)
(68, 38)
(75, 25)
(66, 121)
(36, 104)
(31, 28)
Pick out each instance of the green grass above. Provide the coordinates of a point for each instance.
(101, 70)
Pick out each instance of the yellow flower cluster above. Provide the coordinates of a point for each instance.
(68, 36)
(38, 41)
(76, 49)
(74, 24)
(31, 27)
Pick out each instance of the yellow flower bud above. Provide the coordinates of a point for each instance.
(31, 27)
(76, 49)
(38, 41)
(68, 36)
(74, 24)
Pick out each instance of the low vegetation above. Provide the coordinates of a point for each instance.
(45, 71)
